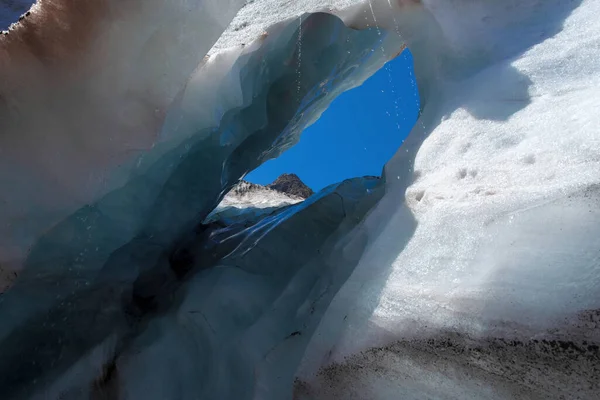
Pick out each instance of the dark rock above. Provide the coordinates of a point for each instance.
(291, 184)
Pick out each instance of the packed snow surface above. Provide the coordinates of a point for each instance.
(493, 234)
(258, 15)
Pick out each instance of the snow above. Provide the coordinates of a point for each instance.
(246, 198)
(258, 15)
(246, 194)
(495, 233)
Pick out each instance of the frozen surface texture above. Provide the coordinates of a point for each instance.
(469, 270)
(483, 284)
(109, 293)
(84, 92)
(258, 15)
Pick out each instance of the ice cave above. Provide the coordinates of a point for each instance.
(137, 263)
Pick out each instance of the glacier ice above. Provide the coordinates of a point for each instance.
(470, 270)
(483, 282)
(102, 73)
(133, 252)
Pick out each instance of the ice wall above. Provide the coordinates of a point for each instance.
(91, 302)
(242, 326)
(481, 277)
(84, 91)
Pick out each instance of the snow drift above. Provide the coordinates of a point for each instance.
(486, 273)
(476, 254)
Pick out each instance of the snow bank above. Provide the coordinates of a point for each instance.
(258, 15)
(490, 257)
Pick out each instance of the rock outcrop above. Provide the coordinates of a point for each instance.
(291, 184)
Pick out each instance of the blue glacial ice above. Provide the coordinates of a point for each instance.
(98, 286)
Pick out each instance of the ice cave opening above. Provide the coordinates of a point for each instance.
(363, 135)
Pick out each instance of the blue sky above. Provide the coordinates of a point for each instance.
(356, 135)
(10, 11)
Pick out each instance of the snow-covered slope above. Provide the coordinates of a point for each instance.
(483, 284)
(246, 194)
(248, 201)
(258, 15)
